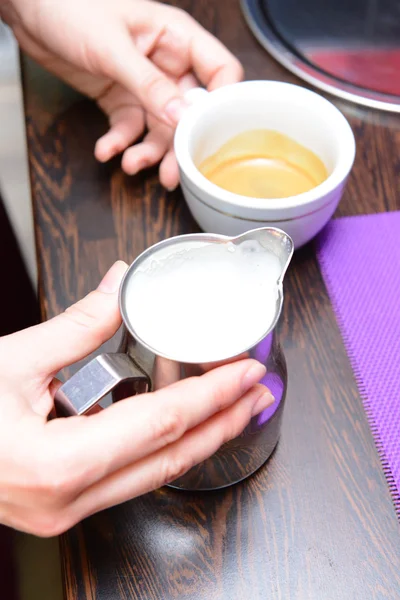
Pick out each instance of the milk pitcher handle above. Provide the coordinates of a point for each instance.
(94, 381)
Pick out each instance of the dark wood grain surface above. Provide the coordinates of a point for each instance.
(315, 523)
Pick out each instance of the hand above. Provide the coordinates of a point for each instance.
(134, 57)
(54, 473)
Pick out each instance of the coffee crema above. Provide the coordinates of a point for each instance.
(262, 163)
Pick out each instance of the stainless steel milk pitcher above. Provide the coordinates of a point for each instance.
(137, 368)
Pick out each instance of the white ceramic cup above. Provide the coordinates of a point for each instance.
(308, 118)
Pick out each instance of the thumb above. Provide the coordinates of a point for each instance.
(157, 92)
(45, 349)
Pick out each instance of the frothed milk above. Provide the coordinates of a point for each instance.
(204, 302)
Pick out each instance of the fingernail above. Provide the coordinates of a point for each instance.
(112, 279)
(175, 109)
(262, 402)
(253, 376)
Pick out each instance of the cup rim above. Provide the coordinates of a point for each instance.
(222, 198)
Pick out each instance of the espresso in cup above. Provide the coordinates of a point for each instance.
(262, 163)
(230, 197)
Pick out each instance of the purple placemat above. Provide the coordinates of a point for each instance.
(360, 262)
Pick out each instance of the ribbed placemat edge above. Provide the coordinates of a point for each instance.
(394, 491)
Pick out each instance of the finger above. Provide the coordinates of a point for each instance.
(157, 93)
(123, 132)
(149, 152)
(171, 52)
(47, 348)
(188, 82)
(43, 404)
(169, 171)
(173, 461)
(133, 428)
(213, 64)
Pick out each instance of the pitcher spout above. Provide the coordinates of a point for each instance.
(273, 240)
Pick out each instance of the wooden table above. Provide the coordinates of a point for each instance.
(317, 522)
